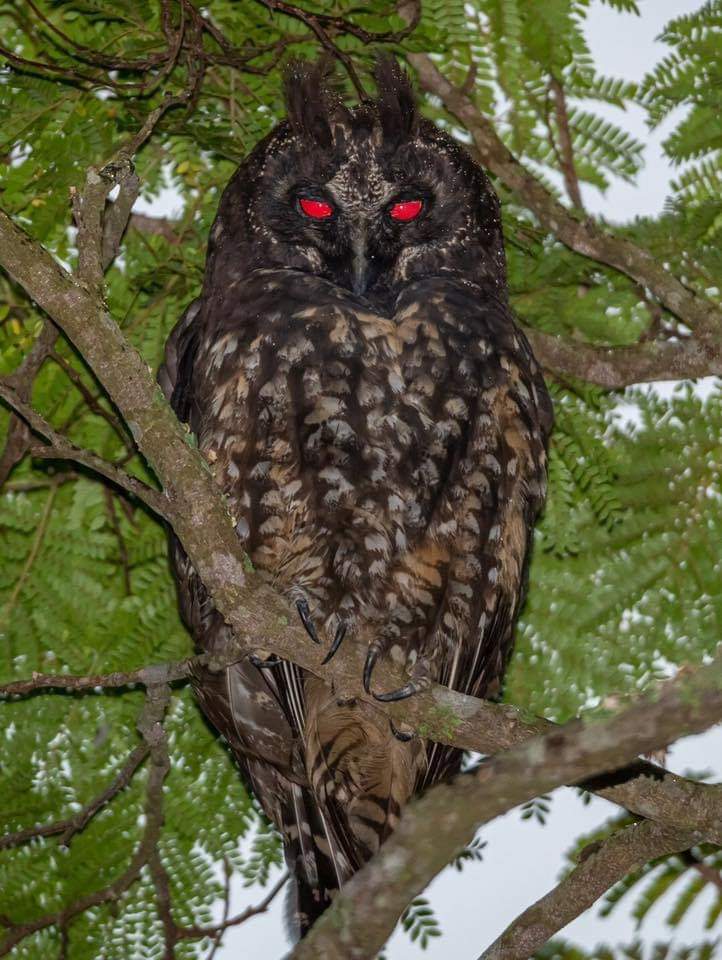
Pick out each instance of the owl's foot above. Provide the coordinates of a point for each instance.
(421, 682)
(305, 615)
(337, 641)
(261, 664)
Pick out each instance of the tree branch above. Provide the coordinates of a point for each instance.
(444, 820)
(60, 448)
(72, 825)
(617, 367)
(150, 725)
(627, 850)
(582, 236)
(569, 172)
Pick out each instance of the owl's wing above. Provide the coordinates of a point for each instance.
(259, 712)
(490, 417)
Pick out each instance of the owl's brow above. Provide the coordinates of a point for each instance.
(360, 181)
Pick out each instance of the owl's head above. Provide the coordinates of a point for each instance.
(370, 197)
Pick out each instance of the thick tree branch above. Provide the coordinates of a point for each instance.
(617, 367)
(451, 717)
(444, 820)
(627, 850)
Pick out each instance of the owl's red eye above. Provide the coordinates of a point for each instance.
(318, 209)
(406, 210)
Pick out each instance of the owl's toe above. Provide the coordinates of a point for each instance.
(337, 641)
(305, 615)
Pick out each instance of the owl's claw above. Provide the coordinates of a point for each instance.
(305, 615)
(337, 641)
(408, 690)
(371, 658)
(403, 737)
(273, 661)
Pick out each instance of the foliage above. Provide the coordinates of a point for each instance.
(625, 561)
(419, 922)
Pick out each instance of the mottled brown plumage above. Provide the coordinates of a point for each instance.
(379, 427)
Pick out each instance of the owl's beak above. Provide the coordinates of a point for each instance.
(360, 268)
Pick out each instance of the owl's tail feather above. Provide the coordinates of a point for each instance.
(314, 858)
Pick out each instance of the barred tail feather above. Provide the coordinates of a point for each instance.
(314, 859)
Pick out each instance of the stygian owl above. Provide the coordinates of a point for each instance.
(378, 425)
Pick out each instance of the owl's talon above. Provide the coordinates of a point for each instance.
(305, 615)
(337, 641)
(371, 658)
(408, 690)
(261, 664)
(403, 737)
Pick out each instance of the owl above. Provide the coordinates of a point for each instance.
(378, 426)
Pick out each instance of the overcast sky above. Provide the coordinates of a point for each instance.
(523, 860)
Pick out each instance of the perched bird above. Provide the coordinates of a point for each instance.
(378, 425)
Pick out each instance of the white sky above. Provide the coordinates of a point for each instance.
(523, 860)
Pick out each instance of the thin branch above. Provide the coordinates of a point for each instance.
(151, 729)
(445, 820)
(32, 556)
(117, 216)
(60, 448)
(617, 367)
(161, 883)
(155, 226)
(450, 717)
(583, 236)
(607, 864)
(91, 401)
(21, 380)
(197, 933)
(569, 171)
(710, 874)
(145, 676)
(75, 824)
(218, 939)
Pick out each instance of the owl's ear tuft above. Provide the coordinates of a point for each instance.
(310, 103)
(396, 103)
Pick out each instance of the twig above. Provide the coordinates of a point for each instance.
(60, 448)
(618, 367)
(569, 172)
(610, 862)
(218, 939)
(151, 729)
(18, 436)
(710, 874)
(75, 824)
(161, 883)
(450, 717)
(30, 559)
(122, 547)
(117, 216)
(91, 401)
(196, 933)
(145, 676)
